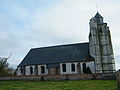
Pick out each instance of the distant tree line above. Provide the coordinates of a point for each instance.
(5, 70)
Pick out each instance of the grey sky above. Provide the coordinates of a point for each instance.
(26, 24)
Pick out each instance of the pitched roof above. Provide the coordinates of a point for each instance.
(57, 54)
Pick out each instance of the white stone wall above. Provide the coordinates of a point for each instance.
(68, 68)
(27, 70)
(69, 71)
(39, 70)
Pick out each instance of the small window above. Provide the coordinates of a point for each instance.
(42, 69)
(31, 70)
(73, 67)
(64, 67)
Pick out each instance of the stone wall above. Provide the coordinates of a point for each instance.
(110, 76)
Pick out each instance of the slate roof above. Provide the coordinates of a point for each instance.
(57, 54)
(98, 15)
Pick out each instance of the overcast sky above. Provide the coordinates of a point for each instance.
(26, 24)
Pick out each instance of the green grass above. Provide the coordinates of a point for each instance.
(59, 85)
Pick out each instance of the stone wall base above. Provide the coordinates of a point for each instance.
(110, 76)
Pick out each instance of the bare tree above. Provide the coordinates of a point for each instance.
(5, 70)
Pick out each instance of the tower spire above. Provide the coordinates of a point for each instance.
(98, 18)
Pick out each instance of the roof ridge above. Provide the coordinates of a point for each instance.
(59, 45)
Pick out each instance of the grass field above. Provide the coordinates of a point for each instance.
(59, 85)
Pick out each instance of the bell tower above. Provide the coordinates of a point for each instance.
(100, 45)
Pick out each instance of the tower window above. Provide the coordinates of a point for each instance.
(73, 67)
(31, 70)
(100, 29)
(64, 67)
(42, 69)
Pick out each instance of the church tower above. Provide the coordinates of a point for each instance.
(100, 45)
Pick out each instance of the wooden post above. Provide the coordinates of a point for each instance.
(118, 79)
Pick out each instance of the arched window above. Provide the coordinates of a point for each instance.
(42, 69)
(31, 70)
(84, 67)
(100, 29)
(64, 67)
(36, 70)
(21, 69)
(73, 67)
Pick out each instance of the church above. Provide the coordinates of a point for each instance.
(95, 56)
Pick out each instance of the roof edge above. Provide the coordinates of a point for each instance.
(59, 45)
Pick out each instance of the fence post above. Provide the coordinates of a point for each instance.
(118, 79)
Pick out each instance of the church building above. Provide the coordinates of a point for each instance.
(95, 56)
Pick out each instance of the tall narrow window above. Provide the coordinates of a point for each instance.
(31, 70)
(64, 67)
(36, 69)
(100, 31)
(42, 69)
(73, 67)
(84, 67)
(21, 69)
